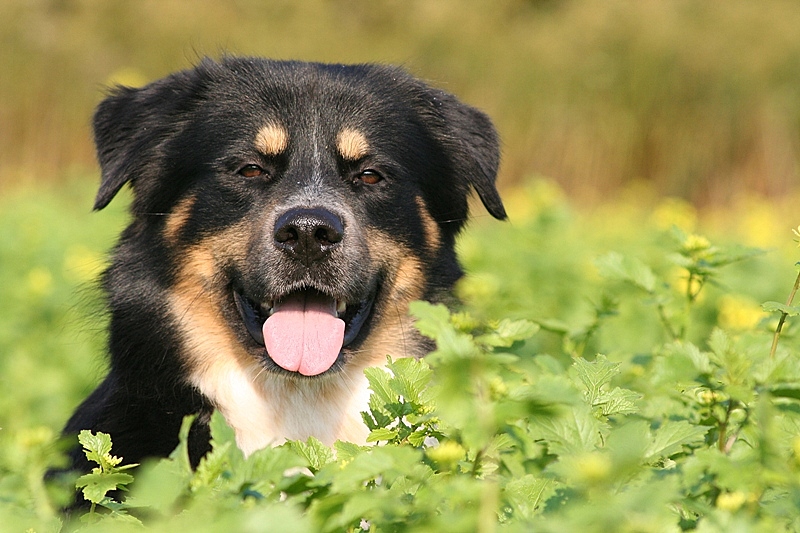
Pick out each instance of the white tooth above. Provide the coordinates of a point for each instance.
(341, 307)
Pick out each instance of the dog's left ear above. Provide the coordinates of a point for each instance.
(473, 143)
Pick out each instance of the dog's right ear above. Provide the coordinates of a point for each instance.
(132, 125)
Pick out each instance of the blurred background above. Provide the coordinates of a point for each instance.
(694, 99)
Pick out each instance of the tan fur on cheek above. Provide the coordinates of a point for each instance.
(177, 219)
(432, 234)
(272, 139)
(393, 332)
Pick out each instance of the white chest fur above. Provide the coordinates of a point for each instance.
(265, 409)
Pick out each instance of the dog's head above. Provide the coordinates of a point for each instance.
(289, 212)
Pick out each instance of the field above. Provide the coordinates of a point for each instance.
(607, 390)
(614, 365)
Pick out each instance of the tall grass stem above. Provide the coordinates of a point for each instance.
(783, 318)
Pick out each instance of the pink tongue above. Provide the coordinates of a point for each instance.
(303, 334)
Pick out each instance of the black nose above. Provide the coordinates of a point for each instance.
(308, 234)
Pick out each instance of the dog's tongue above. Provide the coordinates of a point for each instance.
(303, 334)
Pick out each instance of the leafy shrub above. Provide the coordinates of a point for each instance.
(610, 399)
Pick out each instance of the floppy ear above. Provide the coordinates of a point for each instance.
(473, 142)
(132, 125)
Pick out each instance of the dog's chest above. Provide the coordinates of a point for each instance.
(266, 411)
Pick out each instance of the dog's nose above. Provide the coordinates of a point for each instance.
(308, 234)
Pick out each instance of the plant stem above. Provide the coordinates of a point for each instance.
(662, 314)
(783, 318)
(723, 428)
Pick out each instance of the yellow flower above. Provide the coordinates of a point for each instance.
(447, 454)
(675, 212)
(739, 313)
(524, 204)
(696, 245)
(34, 437)
(593, 467)
(707, 396)
(732, 501)
(40, 281)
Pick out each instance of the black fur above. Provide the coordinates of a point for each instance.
(188, 136)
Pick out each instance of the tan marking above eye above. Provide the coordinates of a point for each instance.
(272, 139)
(352, 144)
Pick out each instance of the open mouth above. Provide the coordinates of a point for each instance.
(305, 330)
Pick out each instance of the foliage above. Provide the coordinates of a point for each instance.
(619, 393)
(107, 476)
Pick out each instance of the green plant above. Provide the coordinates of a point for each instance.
(587, 408)
(105, 477)
(473, 438)
(700, 263)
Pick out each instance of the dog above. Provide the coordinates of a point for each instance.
(284, 215)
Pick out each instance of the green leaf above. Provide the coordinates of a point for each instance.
(347, 451)
(158, 485)
(432, 320)
(618, 401)
(553, 325)
(96, 485)
(680, 362)
(315, 454)
(221, 432)
(594, 376)
(628, 443)
(786, 390)
(574, 431)
(734, 254)
(790, 310)
(410, 379)
(736, 366)
(97, 448)
(213, 466)
(181, 452)
(380, 461)
(528, 493)
(615, 266)
(507, 332)
(670, 438)
(97, 445)
(381, 434)
(382, 392)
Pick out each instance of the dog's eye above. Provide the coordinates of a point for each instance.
(251, 171)
(370, 177)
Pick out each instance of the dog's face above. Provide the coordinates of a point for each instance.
(287, 213)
